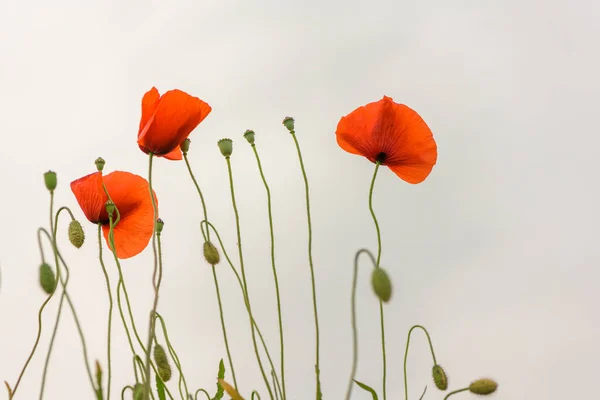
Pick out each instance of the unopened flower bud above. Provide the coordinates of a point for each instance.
(381, 284)
(249, 136)
(211, 254)
(230, 390)
(226, 146)
(439, 377)
(185, 146)
(47, 278)
(288, 122)
(50, 180)
(76, 234)
(99, 163)
(138, 391)
(162, 363)
(159, 226)
(110, 208)
(483, 386)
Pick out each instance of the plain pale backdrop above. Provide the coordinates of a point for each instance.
(496, 253)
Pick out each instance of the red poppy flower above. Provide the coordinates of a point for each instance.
(131, 196)
(168, 120)
(393, 134)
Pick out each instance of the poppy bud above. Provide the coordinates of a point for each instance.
(159, 226)
(230, 390)
(76, 234)
(138, 391)
(110, 208)
(162, 363)
(211, 254)
(99, 163)
(99, 376)
(483, 386)
(50, 180)
(185, 146)
(226, 147)
(289, 123)
(381, 284)
(47, 278)
(249, 136)
(439, 377)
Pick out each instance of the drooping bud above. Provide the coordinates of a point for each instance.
(211, 254)
(483, 386)
(138, 391)
(226, 147)
(249, 136)
(381, 284)
(47, 278)
(76, 234)
(162, 363)
(288, 122)
(185, 146)
(439, 377)
(230, 390)
(50, 180)
(110, 208)
(159, 226)
(99, 163)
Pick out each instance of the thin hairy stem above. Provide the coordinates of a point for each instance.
(406, 354)
(312, 270)
(173, 354)
(110, 310)
(272, 234)
(455, 392)
(203, 391)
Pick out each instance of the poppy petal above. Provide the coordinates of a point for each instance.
(353, 132)
(176, 115)
(149, 103)
(174, 155)
(130, 194)
(90, 195)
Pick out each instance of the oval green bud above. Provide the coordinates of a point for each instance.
(249, 136)
(47, 278)
(162, 363)
(138, 391)
(226, 146)
(76, 234)
(185, 146)
(50, 180)
(99, 163)
(483, 386)
(288, 122)
(439, 377)
(211, 254)
(381, 284)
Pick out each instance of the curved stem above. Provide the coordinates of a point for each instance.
(272, 234)
(246, 294)
(155, 284)
(381, 315)
(406, 354)
(312, 270)
(173, 353)
(110, 310)
(204, 391)
(455, 392)
(354, 326)
(207, 238)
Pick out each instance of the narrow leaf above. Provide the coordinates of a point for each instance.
(160, 388)
(367, 388)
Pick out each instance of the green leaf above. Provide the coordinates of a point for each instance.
(367, 388)
(160, 388)
(220, 375)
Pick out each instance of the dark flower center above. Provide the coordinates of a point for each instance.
(381, 157)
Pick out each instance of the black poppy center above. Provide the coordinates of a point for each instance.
(381, 157)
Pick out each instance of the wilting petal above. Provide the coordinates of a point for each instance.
(176, 115)
(230, 390)
(90, 195)
(131, 196)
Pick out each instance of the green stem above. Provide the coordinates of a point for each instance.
(377, 164)
(155, 284)
(312, 271)
(354, 325)
(207, 238)
(246, 294)
(110, 310)
(39, 332)
(455, 392)
(406, 354)
(173, 354)
(203, 391)
(272, 234)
